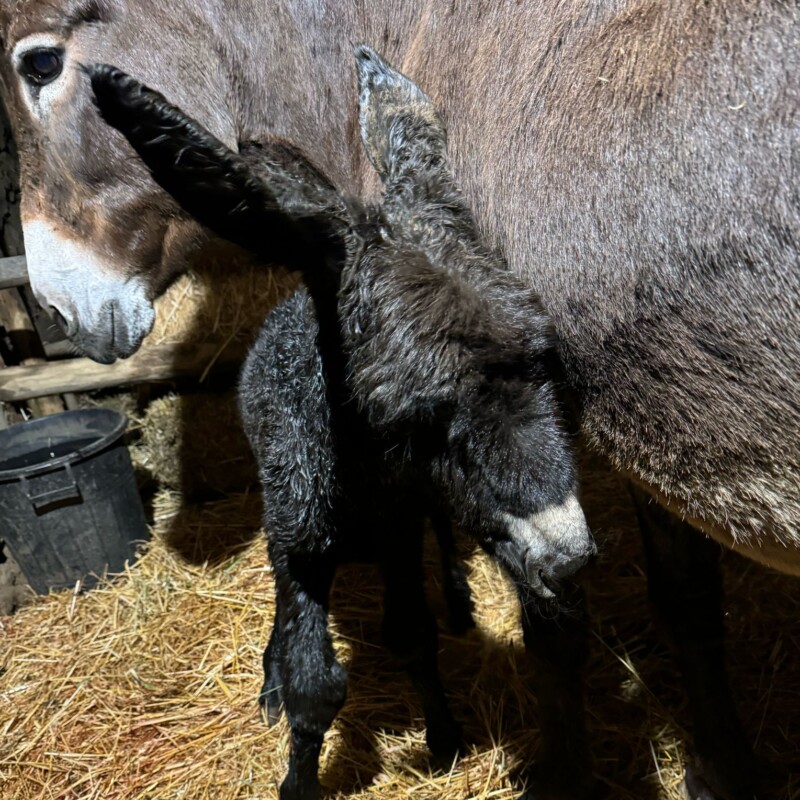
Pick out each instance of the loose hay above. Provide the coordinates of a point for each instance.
(225, 300)
(194, 461)
(146, 688)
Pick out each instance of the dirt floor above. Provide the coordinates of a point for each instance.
(146, 688)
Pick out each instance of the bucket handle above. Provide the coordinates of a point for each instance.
(42, 501)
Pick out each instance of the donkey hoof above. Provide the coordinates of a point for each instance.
(445, 742)
(270, 702)
(697, 785)
(731, 772)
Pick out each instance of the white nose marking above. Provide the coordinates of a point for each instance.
(562, 527)
(69, 277)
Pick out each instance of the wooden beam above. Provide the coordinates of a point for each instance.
(157, 363)
(13, 272)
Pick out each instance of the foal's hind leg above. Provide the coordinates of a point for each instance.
(409, 631)
(314, 683)
(685, 587)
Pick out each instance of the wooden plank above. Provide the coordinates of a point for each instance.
(13, 272)
(157, 363)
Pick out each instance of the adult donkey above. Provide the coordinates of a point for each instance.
(637, 161)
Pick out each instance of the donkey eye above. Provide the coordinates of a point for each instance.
(42, 66)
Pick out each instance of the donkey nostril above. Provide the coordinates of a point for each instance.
(59, 319)
(549, 581)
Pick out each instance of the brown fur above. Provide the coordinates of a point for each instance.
(634, 159)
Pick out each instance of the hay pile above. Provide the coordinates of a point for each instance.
(146, 688)
(225, 300)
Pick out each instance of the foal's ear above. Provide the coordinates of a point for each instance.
(387, 98)
(206, 178)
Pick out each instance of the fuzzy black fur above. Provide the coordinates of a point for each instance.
(422, 388)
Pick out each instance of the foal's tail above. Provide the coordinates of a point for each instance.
(215, 185)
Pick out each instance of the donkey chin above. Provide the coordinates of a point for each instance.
(104, 313)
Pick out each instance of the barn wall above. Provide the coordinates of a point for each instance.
(10, 227)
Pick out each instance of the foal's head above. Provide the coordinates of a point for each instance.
(473, 341)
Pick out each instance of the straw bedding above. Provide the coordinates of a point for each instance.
(146, 688)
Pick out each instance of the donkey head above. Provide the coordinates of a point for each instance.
(101, 239)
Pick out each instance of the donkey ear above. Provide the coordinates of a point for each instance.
(384, 94)
(207, 179)
(376, 76)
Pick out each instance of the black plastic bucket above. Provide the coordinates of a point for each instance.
(69, 505)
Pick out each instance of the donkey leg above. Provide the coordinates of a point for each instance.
(557, 637)
(409, 632)
(457, 594)
(270, 699)
(314, 683)
(685, 588)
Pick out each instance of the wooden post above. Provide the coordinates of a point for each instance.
(25, 343)
(13, 271)
(11, 242)
(8, 414)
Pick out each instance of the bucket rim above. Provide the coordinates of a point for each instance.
(74, 456)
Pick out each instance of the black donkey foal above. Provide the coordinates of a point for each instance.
(412, 378)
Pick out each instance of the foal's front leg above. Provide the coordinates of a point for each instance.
(555, 632)
(314, 684)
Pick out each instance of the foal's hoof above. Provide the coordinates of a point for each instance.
(270, 702)
(445, 742)
(694, 787)
(300, 788)
(559, 784)
(698, 785)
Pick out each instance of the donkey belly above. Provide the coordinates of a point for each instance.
(660, 223)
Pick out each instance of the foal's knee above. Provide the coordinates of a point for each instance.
(314, 694)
